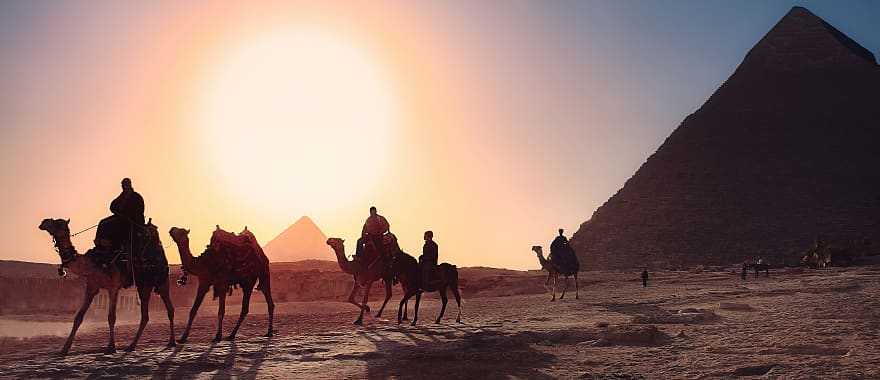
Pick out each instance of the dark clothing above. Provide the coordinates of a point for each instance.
(375, 225)
(645, 278)
(558, 244)
(129, 204)
(428, 260)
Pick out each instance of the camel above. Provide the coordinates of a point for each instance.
(408, 272)
(222, 266)
(146, 278)
(364, 277)
(555, 267)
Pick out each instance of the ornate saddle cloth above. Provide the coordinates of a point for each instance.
(241, 253)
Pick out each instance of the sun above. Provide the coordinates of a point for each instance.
(296, 117)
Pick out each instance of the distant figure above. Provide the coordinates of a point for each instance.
(374, 228)
(115, 232)
(129, 204)
(745, 267)
(645, 278)
(561, 261)
(428, 259)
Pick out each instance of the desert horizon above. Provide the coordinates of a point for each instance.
(456, 189)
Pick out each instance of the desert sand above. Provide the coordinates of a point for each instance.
(697, 324)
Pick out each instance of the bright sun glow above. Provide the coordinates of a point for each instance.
(297, 118)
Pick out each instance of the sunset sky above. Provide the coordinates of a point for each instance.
(490, 123)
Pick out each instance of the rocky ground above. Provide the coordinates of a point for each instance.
(794, 324)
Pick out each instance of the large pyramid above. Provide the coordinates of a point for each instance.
(303, 240)
(786, 149)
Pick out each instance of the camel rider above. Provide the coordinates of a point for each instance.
(428, 259)
(129, 204)
(559, 244)
(128, 212)
(375, 227)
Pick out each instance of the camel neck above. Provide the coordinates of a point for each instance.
(342, 260)
(186, 257)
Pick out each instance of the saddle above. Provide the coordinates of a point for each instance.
(240, 253)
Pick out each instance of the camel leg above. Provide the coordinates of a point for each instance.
(416, 312)
(405, 304)
(351, 297)
(387, 297)
(113, 295)
(444, 299)
(360, 320)
(91, 291)
(457, 301)
(169, 309)
(144, 295)
(402, 306)
(564, 287)
(577, 295)
(200, 296)
(555, 285)
(266, 288)
(245, 307)
(221, 312)
(549, 274)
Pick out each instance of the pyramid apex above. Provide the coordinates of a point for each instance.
(802, 40)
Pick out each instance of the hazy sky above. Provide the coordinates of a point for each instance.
(491, 123)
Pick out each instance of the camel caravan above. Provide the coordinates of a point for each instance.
(129, 252)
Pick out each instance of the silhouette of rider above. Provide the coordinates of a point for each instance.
(129, 204)
(559, 244)
(375, 227)
(428, 259)
(115, 232)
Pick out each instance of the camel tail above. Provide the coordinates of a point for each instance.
(262, 282)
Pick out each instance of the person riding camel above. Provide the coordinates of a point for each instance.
(559, 244)
(375, 227)
(129, 204)
(428, 259)
(114, 232)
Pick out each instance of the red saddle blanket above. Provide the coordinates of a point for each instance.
(240, 253)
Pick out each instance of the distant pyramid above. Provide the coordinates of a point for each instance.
(301, 241)
(786, 149)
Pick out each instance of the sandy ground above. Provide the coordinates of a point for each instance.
(795, 324)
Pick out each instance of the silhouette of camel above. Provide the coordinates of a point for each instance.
(406, 270)
(367, 271)
(558, 265)
(230, 260)
(146, 278)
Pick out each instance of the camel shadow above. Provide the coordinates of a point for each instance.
(485, 354)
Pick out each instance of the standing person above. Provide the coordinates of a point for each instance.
(645, 278)
(429, 257)
(374, 228)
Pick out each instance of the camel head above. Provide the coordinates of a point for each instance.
(538, 249)
(179, 235)
(336, 243)
(56, 227)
